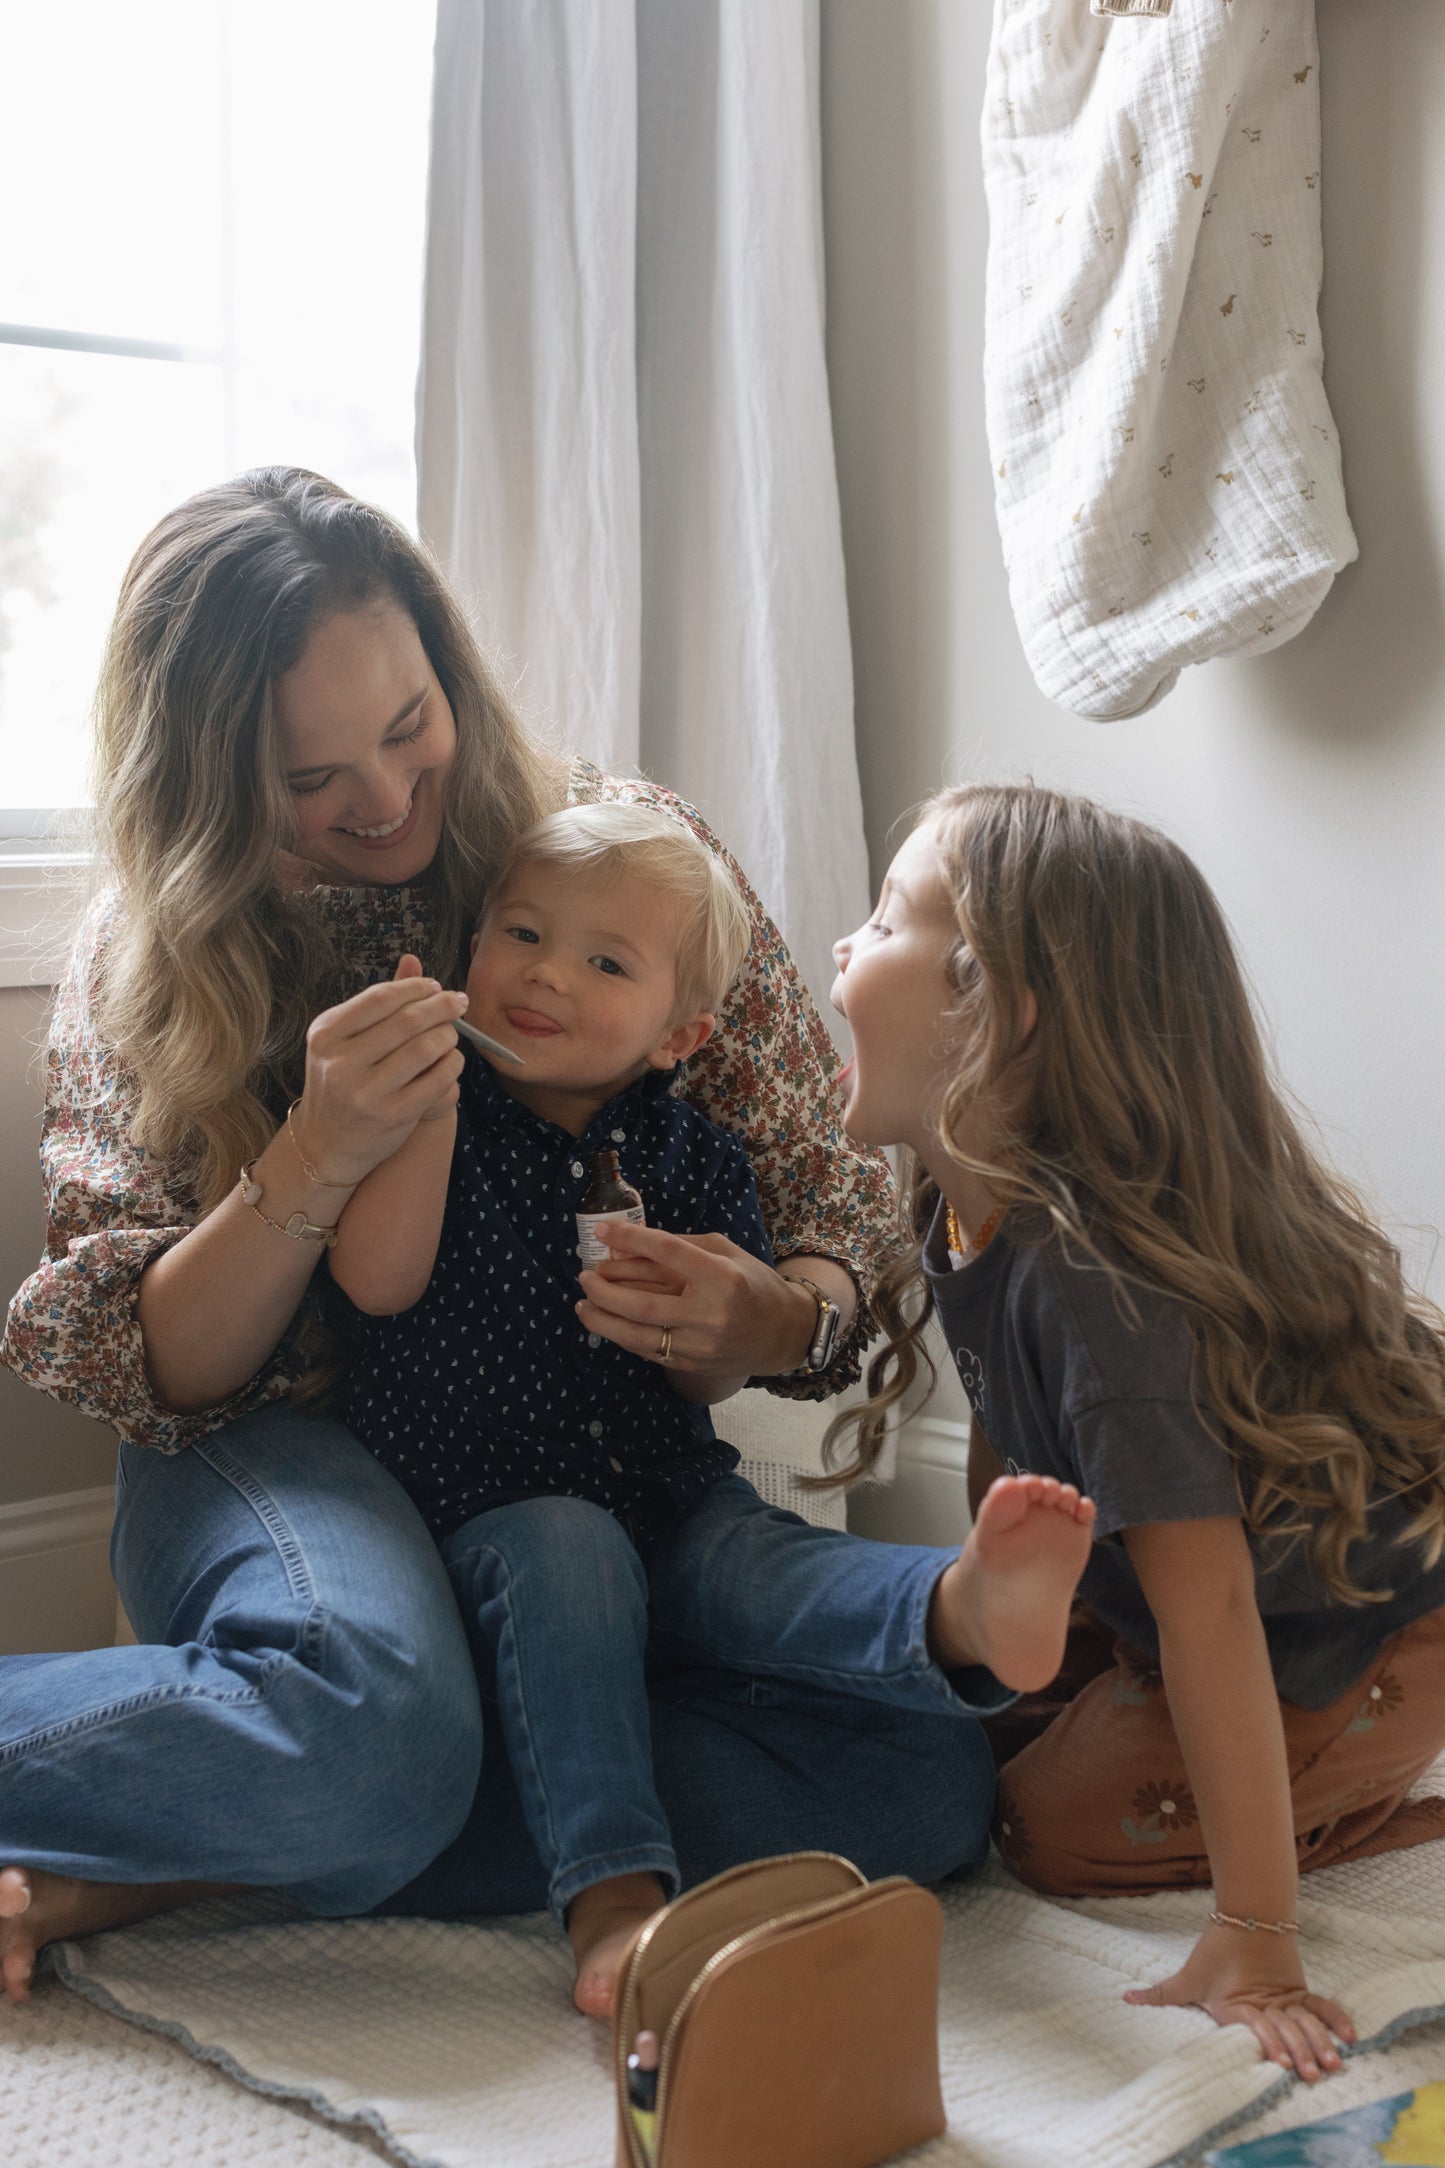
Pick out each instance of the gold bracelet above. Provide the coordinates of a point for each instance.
(1271, 1927)
(298, 1228)
(306, 1167)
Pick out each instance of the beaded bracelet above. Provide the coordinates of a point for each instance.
(298, 1227)
(1271, 1927)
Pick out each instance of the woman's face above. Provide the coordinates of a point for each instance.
(366, 737)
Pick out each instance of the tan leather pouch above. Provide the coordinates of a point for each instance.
(796, 2006)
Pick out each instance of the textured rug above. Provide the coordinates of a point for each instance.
(455, 2047)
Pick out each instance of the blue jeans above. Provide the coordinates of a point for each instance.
(303, 1713)
(561, 1608)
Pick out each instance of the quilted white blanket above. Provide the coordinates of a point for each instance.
(456, 2045)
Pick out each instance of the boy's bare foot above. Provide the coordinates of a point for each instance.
(601, 1921)
(1005, 1600)
(37, 1907)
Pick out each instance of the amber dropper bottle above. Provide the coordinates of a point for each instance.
(608, 1197)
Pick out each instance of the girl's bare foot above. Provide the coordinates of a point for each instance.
(601, 1921)
(1005, 1600)
(36, 1908)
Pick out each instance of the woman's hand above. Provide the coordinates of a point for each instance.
(376, 1065)
(1257, 1980)
(213, 1308)
(729, 1314)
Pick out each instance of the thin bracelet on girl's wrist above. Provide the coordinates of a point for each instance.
(1270, 1927)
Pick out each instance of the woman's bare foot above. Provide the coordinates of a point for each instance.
(1005, 1600)
(601, 1921)
(36, 1908)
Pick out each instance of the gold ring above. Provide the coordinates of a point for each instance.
(664, 1345)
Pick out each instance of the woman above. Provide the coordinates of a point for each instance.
(304, 771)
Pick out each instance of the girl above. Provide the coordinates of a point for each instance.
(1153, 1289)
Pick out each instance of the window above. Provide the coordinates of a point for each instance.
(211, 259)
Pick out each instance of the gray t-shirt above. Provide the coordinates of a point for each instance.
(1065, 1383)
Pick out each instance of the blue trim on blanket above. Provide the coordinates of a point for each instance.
(54, 1959)
(1384, 2038)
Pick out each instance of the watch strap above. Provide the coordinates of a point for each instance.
(825, 1332)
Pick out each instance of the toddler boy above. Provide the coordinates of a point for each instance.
(544, 1459)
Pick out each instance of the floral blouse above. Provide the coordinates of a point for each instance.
(767, 1074)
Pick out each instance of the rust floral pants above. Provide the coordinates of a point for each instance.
(1093, 1799)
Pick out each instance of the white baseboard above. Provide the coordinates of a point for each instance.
(56, 1523)
(56, 1591)
(55, 1586)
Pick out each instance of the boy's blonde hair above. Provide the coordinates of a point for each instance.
(714, 932)
(1149, 1119)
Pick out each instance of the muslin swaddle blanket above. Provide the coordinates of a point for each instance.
(1167, 469)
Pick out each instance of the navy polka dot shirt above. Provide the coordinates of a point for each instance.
(489, 1389)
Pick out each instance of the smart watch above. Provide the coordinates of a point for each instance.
(825, 1332)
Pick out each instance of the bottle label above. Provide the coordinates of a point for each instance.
(589, 1249)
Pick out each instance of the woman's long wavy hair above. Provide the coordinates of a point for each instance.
(1140, 1116)
(216, 966)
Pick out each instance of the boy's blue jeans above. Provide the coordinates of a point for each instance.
(304, 1713)
(565, 1617)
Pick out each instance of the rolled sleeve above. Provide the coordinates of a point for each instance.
(72, 1332)
(1146, 1461)
(72, 1329)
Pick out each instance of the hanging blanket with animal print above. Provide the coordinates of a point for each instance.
(1167, 469)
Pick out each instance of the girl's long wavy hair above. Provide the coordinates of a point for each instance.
(1141, 1114)
(215, 966)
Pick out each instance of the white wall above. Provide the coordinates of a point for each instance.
(1310, 784)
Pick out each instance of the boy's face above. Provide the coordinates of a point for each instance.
(578, 971)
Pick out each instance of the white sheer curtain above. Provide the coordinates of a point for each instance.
(624, 442)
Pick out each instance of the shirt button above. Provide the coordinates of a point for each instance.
(619, 1136)
(578, 1169)
(594, 1430)
(615, 1465)
(594, 1339)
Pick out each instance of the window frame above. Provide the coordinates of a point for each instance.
(34, 932)
(27, 825)
(39, 847)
